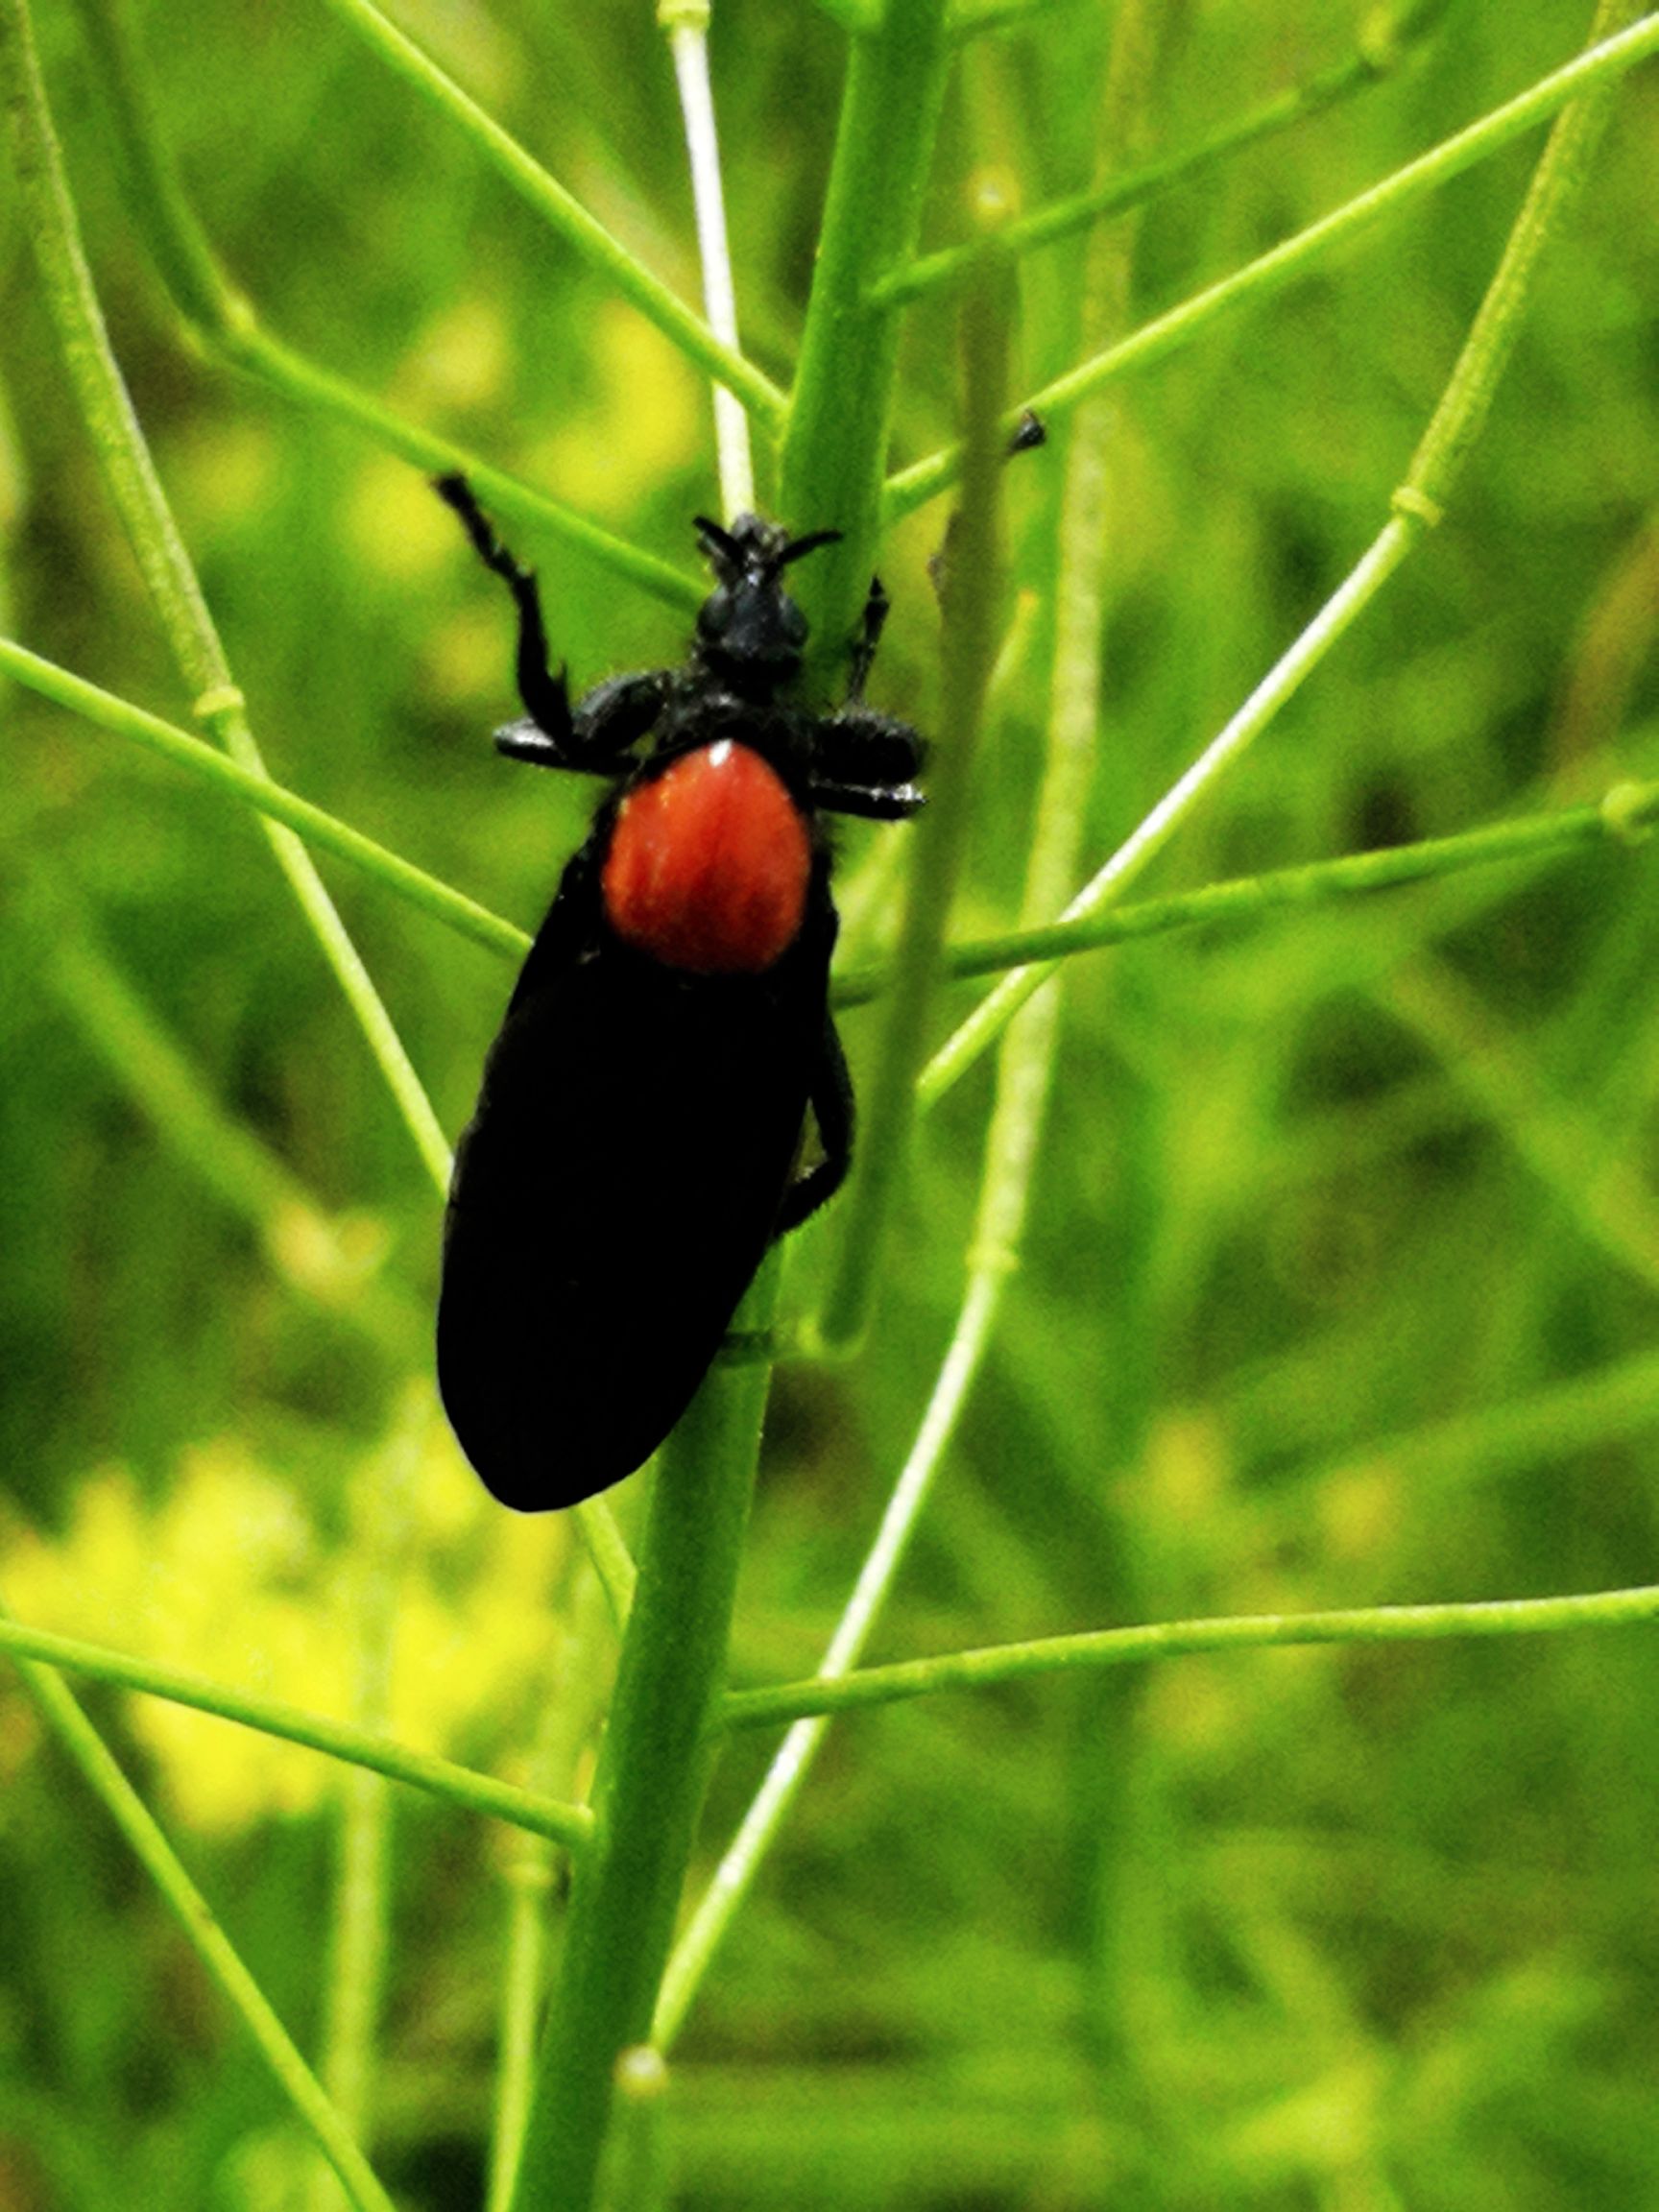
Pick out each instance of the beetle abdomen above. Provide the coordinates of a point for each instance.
(612, 1198)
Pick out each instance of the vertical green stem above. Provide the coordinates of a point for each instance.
(686, 23)
(381, 1498)
(836, 444)
(649, 1788)
(571, 1718)
(972, 610)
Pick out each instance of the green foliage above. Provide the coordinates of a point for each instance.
(1337, 1253)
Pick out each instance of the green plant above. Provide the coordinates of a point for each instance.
(1244, 1089)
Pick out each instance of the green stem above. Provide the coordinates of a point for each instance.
(973, 594)
(457, 1786)
(1308, 250)
(1555, 185)
(565, 214)
(1623, 818)
(207, 1939)
(835, 443)
(529, 1877)
(624, 1906)
(612, 1563)
(246, 787)
(686, 23)
(308, 1249)
(637, 2166)
(1145, 843)
(571, 1715)
(1557, 1141)
(1383, 49)
(382, 1487)
(649, 1786)
(1179, 1639)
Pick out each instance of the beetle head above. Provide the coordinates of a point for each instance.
(748, 630)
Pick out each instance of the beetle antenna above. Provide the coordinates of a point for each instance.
(716, 540)
(798, 547)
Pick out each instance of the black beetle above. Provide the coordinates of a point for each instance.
(638, 1136)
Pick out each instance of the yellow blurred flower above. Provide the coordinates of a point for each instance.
(230, 1576)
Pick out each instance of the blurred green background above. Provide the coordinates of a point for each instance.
(1342, 1273)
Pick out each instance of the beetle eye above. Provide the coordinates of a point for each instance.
(714, 615)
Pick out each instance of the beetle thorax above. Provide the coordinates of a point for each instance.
(708, 864)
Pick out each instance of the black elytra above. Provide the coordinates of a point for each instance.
(638, 1135)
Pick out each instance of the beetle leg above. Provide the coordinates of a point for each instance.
(831, 1103)
(870, 802)
(543, 689)
(866, 763)
(617, 714)
(603, 730)
(868, 635)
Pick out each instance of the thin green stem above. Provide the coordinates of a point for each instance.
(649, 1788)
(570, 1720)
(1180, 1639)
(1307, 251)
(135, 490)
(1557, 1141)
(216, 772)
(1554, 186)
(529, 1876)
(1621, 818)
(973, 594)
(457, 1786)
(612, 1563)
(508, 497)
(1383, 48)
(564, 213)
(1334, 618)
(354, 1989)
(686, 22)
(310, 1251)
(223, 1966)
